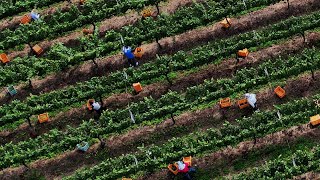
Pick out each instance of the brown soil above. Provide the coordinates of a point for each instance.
(225, 69)
(189, 39)
(66, 163)
(308, 176)
(14, 21)
(115, 22)
(71, 40)
(230, 154)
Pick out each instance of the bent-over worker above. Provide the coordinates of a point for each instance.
(96, 106)
(34, 15)
(127, 51)
(252, 100)
(184, 168)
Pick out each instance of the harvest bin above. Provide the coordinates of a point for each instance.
(173, 168)
(243, 53)
(138, 52)
(87, 31)
(89, 105)
(25, 19)
(315, 120)
(280, 92)
(4, 58)
(37, 49)
(187, 160)
(226, 102)
(126, 179)
(43, 117)
(137, 87)
(243, 103)
(225, 23)
(146, 13)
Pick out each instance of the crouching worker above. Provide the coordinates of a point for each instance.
(184, 168)
(252, 100)
(128, 52)
(92, 105)
(34, 15)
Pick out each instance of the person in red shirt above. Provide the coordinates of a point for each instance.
(184, 168)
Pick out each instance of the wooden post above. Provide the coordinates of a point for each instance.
(30, 83)
(167, 73)
(157, 6)
(174, 122)
(95, 63)
(94, 27)
(288, 4)
(101, 100)
(304, 37)
(25, 165)
(157, 40)
(312, 74)
(227, 21)
(29, 122)
(102, 143)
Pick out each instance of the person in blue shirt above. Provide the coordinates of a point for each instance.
(127, 51)
(34, 15)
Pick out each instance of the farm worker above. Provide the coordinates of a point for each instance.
(184, 168)
(130, 56)
(96, 106)
(34, 15)
(252, 100)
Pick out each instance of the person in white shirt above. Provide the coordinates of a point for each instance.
(34, 15)
(252, 100)
(96, 106)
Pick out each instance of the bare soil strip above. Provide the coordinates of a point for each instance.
(14, 21)
(225, 69)
(113, 23)
(231, 153)
(116, 22)
(173, 44)
(68, 162)
(308, 176)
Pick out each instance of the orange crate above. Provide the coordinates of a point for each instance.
(4, 58)
(87, 31)
(243, 53)
(126, 179)
(138, 52)
(146, 13)
(315, 120)
(25, 19)
(243, 103)
(226, 102)
(174, 171)
(89, 105)
(43, 117)
(187, 160)
(37, 49)
(280, 92)
(137, 87)
(82, 2)
(225, 24)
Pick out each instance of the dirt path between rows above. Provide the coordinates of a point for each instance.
(308, 176)
(186, 40)
(14, 21)
(225, 69)
(115, 22)
(68, 162)
(230, 154)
